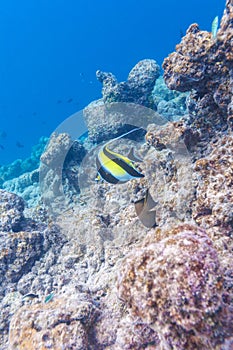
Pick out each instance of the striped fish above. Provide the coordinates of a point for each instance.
(114, 167)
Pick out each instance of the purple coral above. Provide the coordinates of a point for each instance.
(175, 284)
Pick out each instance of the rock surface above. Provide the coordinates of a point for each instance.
(138, 87)
(174, 283)
(11, 209)
(204, 65)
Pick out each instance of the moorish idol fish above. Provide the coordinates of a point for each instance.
(114, 167)
(145, 210)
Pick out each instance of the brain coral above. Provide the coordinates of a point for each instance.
(175, 285)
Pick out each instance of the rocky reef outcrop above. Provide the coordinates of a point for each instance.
(137, 88)
(68, 321)
(203, 64)
(24, 242)
(143, 87)
(175, 284)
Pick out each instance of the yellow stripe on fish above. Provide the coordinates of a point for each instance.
(114, 167)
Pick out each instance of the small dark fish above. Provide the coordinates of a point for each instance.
(30, 296)
(59, 101)
(145, 210)
(34, 114)
(69, 100)
(19, 145)
(2, 147)
(3, 134)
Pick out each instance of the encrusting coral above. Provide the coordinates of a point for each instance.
(138, 87)
(68, 320)
(174, 283)
(204, 65)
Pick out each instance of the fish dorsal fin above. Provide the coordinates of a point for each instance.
(123, 135)
(139, 205)
(150, 203)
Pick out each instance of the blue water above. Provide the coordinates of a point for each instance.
(50, 51)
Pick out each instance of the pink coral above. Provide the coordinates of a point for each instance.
(175, 284)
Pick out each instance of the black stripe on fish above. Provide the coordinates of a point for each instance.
(104, 174)
(130, 170)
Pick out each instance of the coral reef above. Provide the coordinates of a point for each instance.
(108, 120)
(213, 205)
(24, 241)
(54, 155)
(175, 284)
(66, 319)
(117, 285)
(26, 186)
(59, 168)
(138, 87)
(204, 65)
(19, 252)
(22, 176)
(121, 101)
(70, 173)
(170, 104)
(21, 166)
(11, 211)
